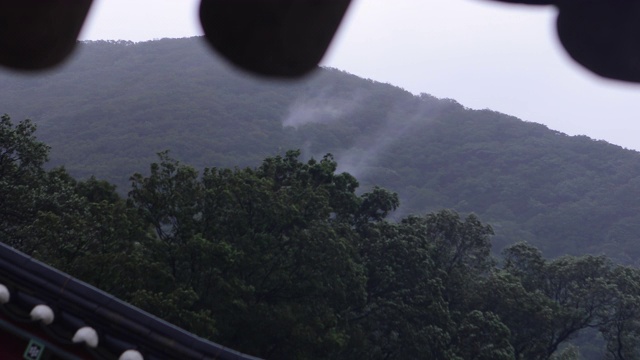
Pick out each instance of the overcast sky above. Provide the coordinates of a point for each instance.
(481, 53)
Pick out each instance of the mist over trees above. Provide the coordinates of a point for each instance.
(116, 104)
(289, 260)
(172, 184)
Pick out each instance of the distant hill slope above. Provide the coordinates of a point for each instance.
(115, 105)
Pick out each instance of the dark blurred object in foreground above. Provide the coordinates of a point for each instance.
(38, 34)
(285, 38)
(288, 38)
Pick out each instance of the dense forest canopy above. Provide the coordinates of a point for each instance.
(116, 104)
(288, 260)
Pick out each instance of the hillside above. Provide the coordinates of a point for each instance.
(115, 105)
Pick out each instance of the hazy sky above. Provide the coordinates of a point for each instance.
(481, 53)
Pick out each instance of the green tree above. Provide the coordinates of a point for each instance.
(405, 315)
(622, 328)
(423, 275)
(270, 251)
(548, 303)
(482, 335)
(21, 159)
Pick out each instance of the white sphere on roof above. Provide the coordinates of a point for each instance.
(4, 294)
(42, 313)
(86, 335)
(131, 355)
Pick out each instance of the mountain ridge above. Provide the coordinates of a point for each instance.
(116, 104)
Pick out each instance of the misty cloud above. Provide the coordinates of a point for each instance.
(361, 160)
(322, 107)
(361, 156)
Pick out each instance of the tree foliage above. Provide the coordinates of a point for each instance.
(289, 260)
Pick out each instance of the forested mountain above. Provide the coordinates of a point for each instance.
(116, 104)
(287, 261)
